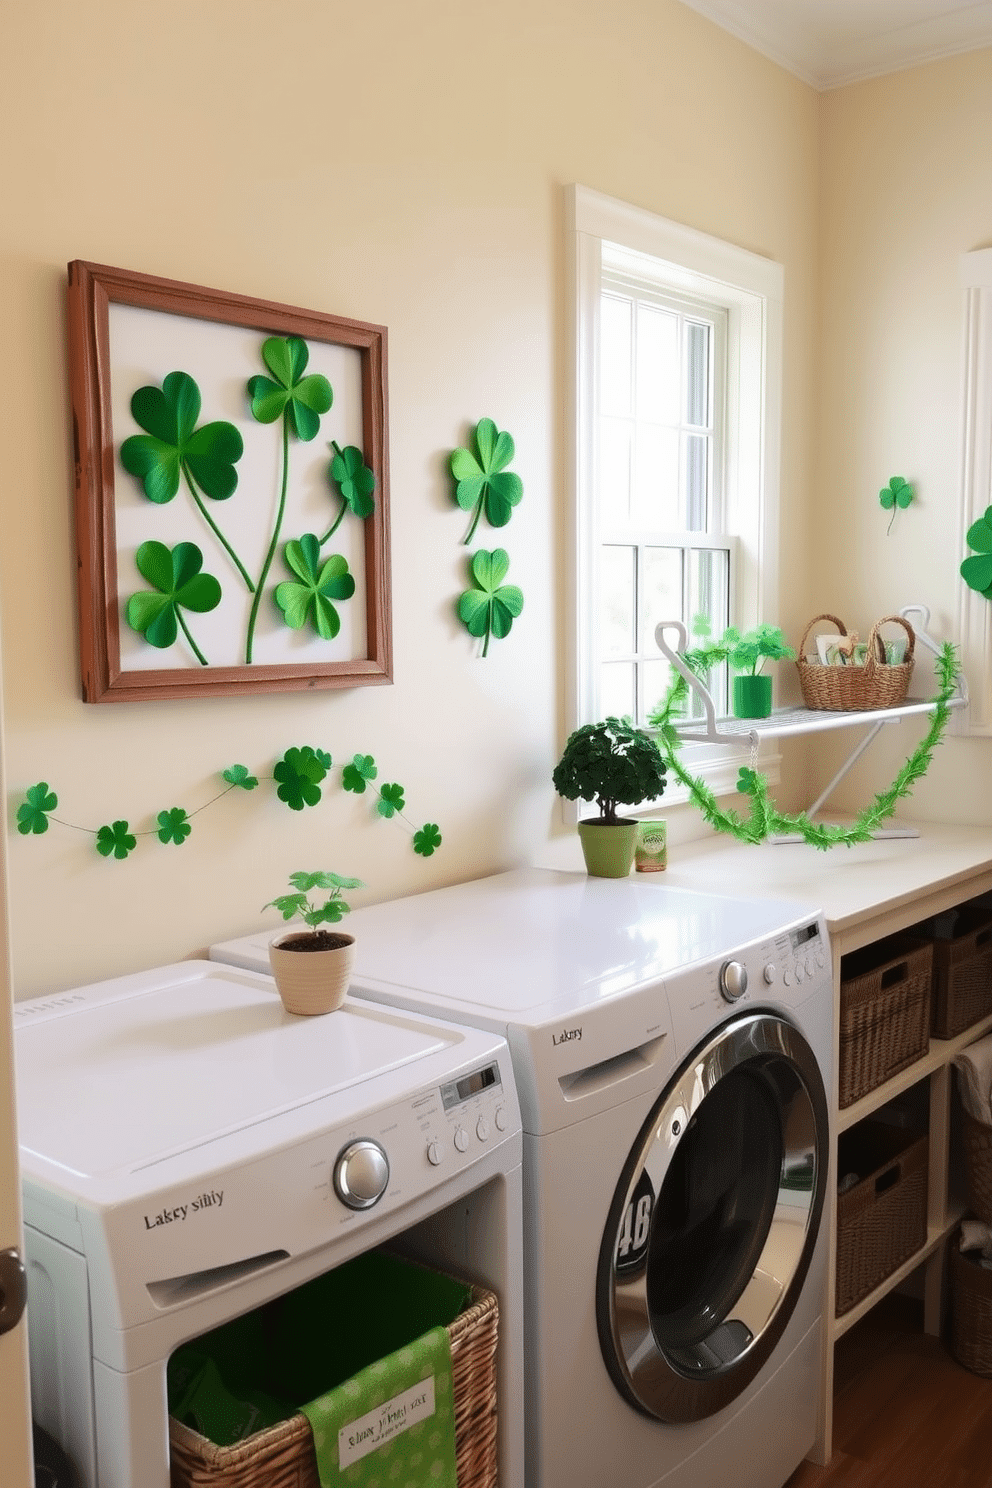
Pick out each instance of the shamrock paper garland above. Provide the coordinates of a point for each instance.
(764, 820)
(299, 776)
(485, 487)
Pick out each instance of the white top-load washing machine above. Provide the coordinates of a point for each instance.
(189, 1151)
(672, 1052)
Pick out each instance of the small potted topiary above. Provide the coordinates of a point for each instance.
(747, 654)
(612, 763)
(312, 967)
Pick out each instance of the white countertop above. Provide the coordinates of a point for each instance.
(852, 885)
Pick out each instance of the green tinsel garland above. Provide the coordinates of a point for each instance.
(764, 820)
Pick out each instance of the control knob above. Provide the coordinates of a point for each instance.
(361, 1174)
(733, 980)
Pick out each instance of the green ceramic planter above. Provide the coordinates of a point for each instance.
(608, 847)
(752, 696)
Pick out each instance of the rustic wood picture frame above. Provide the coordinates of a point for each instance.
(92, 290)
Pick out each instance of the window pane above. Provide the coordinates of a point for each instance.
(614, 471)
(657, 678)
(696, 482)
(656, 477)
(616, 689)
(661, 591)
(617, 601)
(616, 324)
(657, 365)
(709, 595)
(697, 374)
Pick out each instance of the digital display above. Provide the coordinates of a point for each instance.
(469, 1085)
(808, 932)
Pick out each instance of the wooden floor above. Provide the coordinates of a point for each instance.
(906, 1414)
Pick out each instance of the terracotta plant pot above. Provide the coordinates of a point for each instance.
(312, 981)
(608, 847)
(752, 696)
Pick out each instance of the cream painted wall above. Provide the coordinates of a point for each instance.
(400, 164)
(906, 189)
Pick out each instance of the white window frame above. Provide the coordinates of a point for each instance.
(750, 288)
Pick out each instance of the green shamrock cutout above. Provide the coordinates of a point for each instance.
(299, 774)
(32, 814)
(175, 574)
(355, 483)
(977, 570)
(355, 777)
(483, 482)
(427, 840)
(747, 781)
(391, 800)
(115, 839)
(301, 399)
(897, 495)
(173, 826)
(492, 607)
(238, 775)
(319, 584)
(172, 445)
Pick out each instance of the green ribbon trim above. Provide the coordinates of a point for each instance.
(763, 819)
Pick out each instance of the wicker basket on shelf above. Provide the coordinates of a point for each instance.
(971, 1317)
(977, 1141)
(844, 689)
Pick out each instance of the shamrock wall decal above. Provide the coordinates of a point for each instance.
(491, 607)
(483, 482)
(897, 495)
(976, 570)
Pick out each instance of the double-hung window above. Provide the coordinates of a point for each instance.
(674, 480)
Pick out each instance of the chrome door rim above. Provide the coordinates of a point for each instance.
(680, 1388)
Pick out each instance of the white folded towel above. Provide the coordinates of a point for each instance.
(977, 1236)
(974, 1066)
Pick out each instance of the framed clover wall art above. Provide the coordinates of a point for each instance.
(232, 492)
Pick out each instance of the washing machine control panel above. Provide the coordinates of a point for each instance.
(802, 955)
(784, 969)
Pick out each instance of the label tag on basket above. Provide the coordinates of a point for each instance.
(387, 1421)
(393, 1420)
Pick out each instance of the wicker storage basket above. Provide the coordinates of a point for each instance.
(971, 1311)
(882, 1220)
(283, 1456)
(884, 1013)
(977, 1141)
(962, 972)
(843, 689)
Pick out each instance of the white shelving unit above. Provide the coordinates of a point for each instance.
(789, 722)
(868, 893)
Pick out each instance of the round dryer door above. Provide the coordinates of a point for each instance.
(714, 1220)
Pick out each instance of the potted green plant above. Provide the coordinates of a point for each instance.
(612, 762)
(312, 967)
(747, 654)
